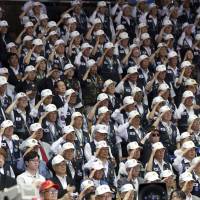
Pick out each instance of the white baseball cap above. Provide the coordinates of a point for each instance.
(133, 145)
(35, 127)
(186, 177)
(133, 114)
(6, 124)
(57, 160)
(50, 108)
(151, 177)
(161, 68)
(145, 36)
(3, 80)
(86, 184)
(190, 81)
(28, 24)
(97, 165)
(99, 32)
(126, 188)
(120, 27)
(163, 87)
(75, 2)
(86, 45)
(20, 95)
(184, 135)
(53, 33)
(172, 54)
(128, 100)
(30, 68)
(69, 92)
(91, 63)
(108, 45)
(10, 45)
(142, 24)
(132, 70)
(71, 20)
(3, 23)
(197, 37)
(37, 3)
(76, 114)
(152, 5)
(27, 38)
(167, 22)
(157, 99)
(68, 129)
(46, 93)
(166, 173)
(131, 163)
(185, 63)
(40, 58)
(66, 16)
(74, 34)
(142, 57)
(134, 45)
(192, 118)
(186, 24)
(102, 189)
(52, 24)
(30, 143)
(168, 37)
(187, 94)
(3, 70)
(67, 145)
(43, 16)
(161, 44)
(103, 110)
(188, 145)
(101, 4)
(96, 21)
(164, 109)
(158, 145)
(101, 128)
(101, 144)
(102, 97)
(37, 42)
(107, 83)
(68, 66)
(123, 35)
(59, 42)
(135, 90)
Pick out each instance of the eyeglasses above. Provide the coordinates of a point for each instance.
(52, 191)
(33, 160)
(155, 135)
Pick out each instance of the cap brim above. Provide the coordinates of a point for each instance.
(56, 186)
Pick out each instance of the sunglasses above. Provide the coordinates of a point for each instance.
(155, 135)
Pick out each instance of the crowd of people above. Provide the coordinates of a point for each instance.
(102, 101)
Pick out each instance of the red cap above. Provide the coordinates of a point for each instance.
(48, 184)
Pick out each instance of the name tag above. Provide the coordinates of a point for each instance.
(18, 119)
(127, 89)
(162, 129)
(46, 130)
(132, 133)
(141, 76)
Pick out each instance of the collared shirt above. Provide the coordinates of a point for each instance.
(63, 181)
(28, 178)
(9, 143)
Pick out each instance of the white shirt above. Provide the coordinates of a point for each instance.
(9, 143)
(28, 178)
(120, 87)
(63, 181)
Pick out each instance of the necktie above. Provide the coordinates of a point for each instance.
(44, 156)
(71, 169)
